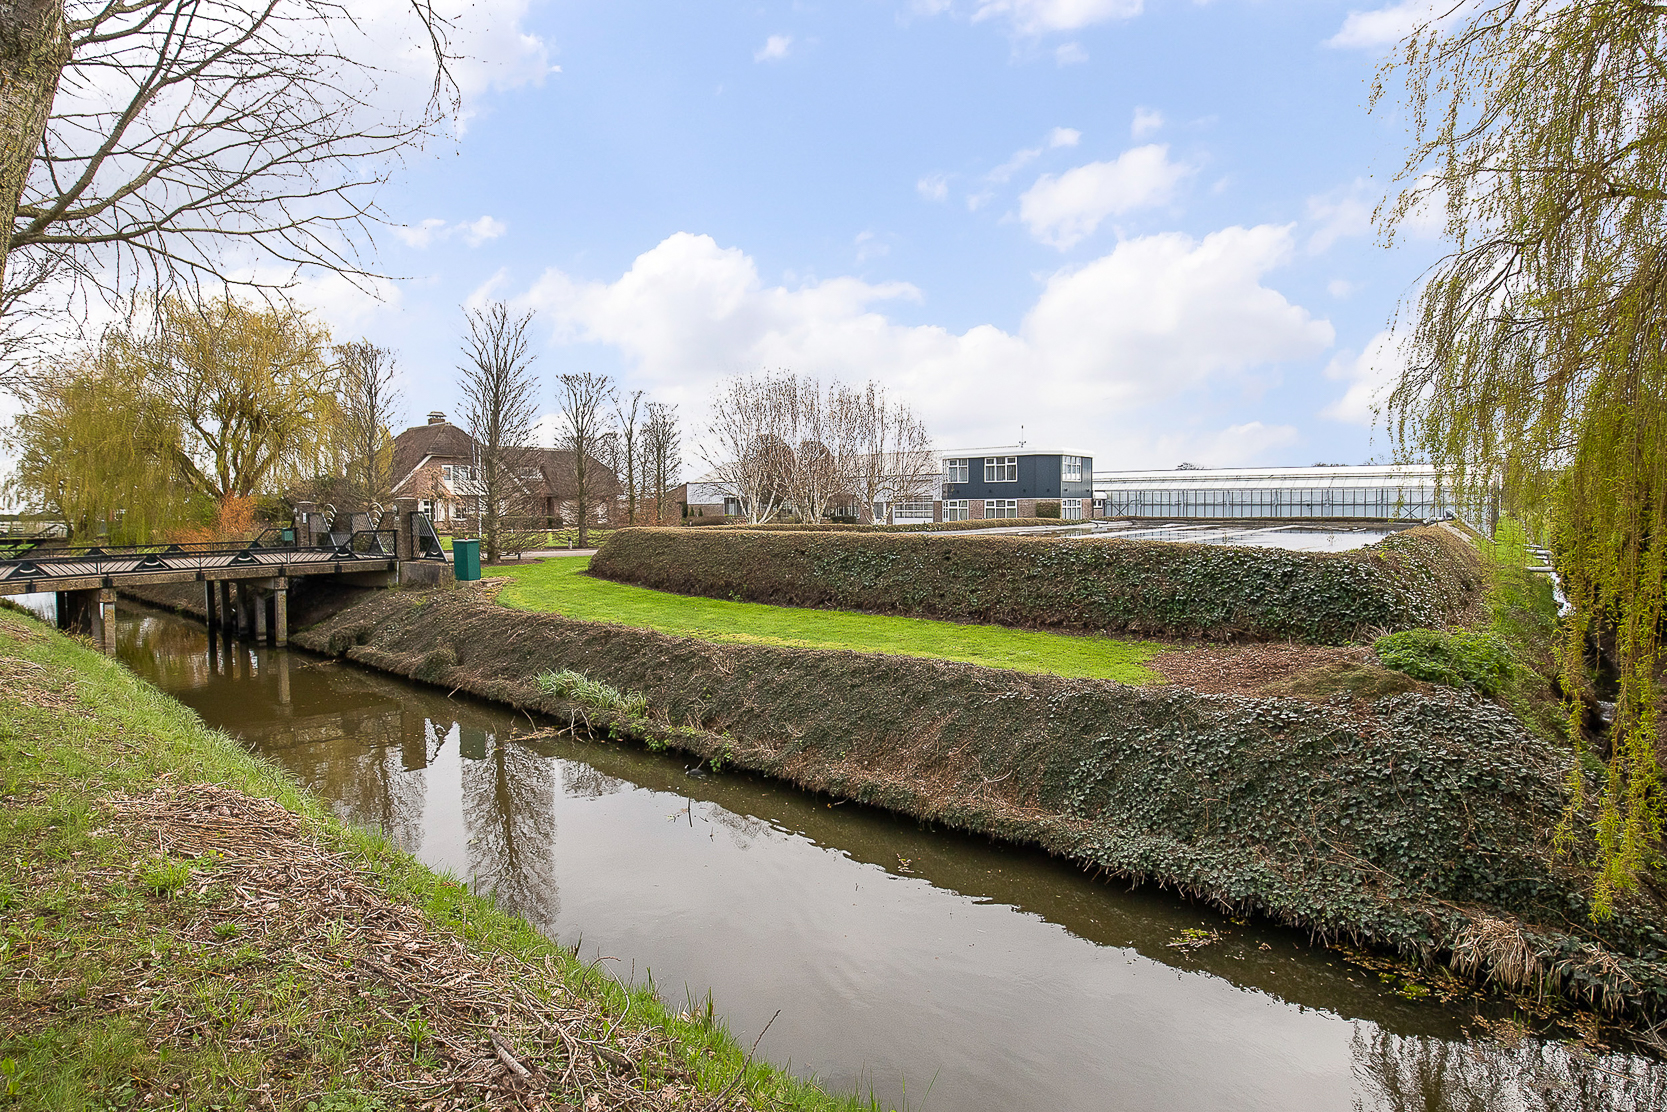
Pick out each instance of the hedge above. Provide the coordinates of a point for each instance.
(1421, 577)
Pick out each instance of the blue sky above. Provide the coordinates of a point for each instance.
(1138, 230)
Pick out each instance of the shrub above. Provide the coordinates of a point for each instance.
(719, 519)
(1047, 509)
(1421, 577)
(1476, 660)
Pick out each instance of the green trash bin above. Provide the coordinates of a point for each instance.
(465, 560)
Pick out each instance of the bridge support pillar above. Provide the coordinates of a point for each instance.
(261, 598)
(227, 617)
(105, 627)
(304, 525)
(245, 612)
(211, 606)
(280, 615)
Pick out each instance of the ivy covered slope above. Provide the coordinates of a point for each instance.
(1421, 577)
(1420, 821)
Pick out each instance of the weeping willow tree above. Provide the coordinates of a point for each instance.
(97, 451)
(1537, 363)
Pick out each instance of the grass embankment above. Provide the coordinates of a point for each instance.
(556, 587)
(182, 927)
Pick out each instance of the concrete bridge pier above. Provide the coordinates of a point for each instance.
(90, 613)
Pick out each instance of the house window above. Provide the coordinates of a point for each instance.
(1000, 507)
(955, 510)
(1071, 469)
(1070, 509)
(732, 507)
(425, 506)
(912, 513)
(1001, 469)
(956, 471)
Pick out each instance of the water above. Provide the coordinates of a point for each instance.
(922, 966)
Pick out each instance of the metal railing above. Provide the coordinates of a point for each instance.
(97, 561)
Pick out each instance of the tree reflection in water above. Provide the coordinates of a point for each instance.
(1419, 1074)
(509, 796)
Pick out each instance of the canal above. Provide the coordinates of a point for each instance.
(932, 970)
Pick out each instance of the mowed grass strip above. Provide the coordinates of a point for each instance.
(556, 586)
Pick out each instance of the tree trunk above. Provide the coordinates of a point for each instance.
(34, 47)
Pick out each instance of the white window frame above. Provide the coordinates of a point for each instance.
(1009, 505)
(956, 509)
(1001, 469)
(957, 471)
(911, 513)
(1070, 509)
(1070, 469)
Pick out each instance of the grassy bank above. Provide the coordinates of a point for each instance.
(557, 587)
(1420, 821)
(182, 927)
(1419, 577)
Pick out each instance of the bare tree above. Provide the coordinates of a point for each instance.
(499, 397)
(893, 459)
(630, 444)
(368, 402)
(661, 454)
(582, 421)
(232, 142)
(744, 445)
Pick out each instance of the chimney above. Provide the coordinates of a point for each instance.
(435, 417)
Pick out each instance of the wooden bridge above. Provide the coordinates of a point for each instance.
(245, 584)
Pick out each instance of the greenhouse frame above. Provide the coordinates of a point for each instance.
(1381, 492)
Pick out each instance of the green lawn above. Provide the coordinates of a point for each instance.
(555, 586)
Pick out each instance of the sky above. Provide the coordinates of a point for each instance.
(1138, 229)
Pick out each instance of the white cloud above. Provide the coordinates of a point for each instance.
(434, 230)
(1386, 26)
(1065, 210)
(934, 187)
(1370, 376)
(1146, 121)
(1035, 17)
(869, 246)
(1158, 318)
(1340, 214)
(1069, 54)
(1064, 137)
(1341, 288)
(775, 48)
(483, 229)
(419, 235)
(1058, 137)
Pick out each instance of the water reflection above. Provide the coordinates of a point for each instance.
(1399, 1074)
(509, 815)
(899, 957)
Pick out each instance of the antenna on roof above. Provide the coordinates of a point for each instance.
(1021, 436)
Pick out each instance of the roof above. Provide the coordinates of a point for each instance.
(1012, 450)
(441, 440)
(1365, 475)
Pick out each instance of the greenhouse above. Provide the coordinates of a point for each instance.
(1375, 491)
